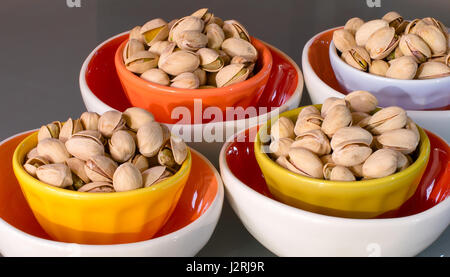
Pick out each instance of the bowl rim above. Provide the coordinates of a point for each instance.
(311, 73)
(236, 88)
(89, 96)
(424, 154)
(324, 219)
(398, 82)
(61, 192)
(200, 221)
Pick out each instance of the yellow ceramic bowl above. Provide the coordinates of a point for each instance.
(99, 218)
(358, 199)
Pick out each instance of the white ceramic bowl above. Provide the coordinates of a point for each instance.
(436, 121)
(409, 94)
(210, 149)
(187, 241)
(288, 231)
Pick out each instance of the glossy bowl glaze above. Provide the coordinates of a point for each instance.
(99, 218)
(358, 199)
(162, 100)
(185, 233)
(101, 91)
(322, 83)
(289, 231)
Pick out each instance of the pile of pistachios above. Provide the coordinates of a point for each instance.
(196, 51)
(347, 140)
(395, 48)
(108, 153)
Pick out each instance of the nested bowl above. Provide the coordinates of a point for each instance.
(357, 199)
(99, 218)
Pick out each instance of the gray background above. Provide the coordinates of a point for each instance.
(43, 44)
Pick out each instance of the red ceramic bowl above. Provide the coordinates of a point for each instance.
(161, 100)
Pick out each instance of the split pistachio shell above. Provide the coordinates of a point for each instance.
(393, 18)
(343, 40)
(186, 80)
(77, 167)
(157, 76)
(155, 175)
(330, 103)
(89, 120)
(341, 173)
(132, 47)
(350, 135)
(239, 47)
(379, 67)
(402, 140)
(234, 29)
(85, 144)
(357, 57)
(412, 45)
(97, 187)
(175, 63)
(127, 177)
(200, 13)
(141, 162)
(100, 169)
(56, 174)
(231, 74)
(165, 158)
(141, 62)
(201, 75)
(380, 164)
(367, 29)
(382, 42)
(280, 147)
(150, 139)
(397, 53)
(53, 150)
(155, 30)
(136, 117)
(179, 149)
(387, 119)
(191, 40)
(308, 119)
(121, 146)
(315, 141)
(109, 122)
(430, 70)
(210, 60)
(188, 23)
(402, 68)
(69, 128)
(215, 36)
(158, 47)
(224, 56)
(282, 128)
(435, 39)
(353, 24)
(337, 117)
(351, 154)
(361, 101)
(306, 162)
(437, 23)
(49, 131)
(135, 33)
(32, 164)
(32, 153)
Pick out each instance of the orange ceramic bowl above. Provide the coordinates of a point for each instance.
(99, 218)
(161, 100)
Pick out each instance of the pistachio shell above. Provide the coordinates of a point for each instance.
(132, 47)
(367, 29)
(200, 13)
(179, 62)
(353, 24)
(306, 162)
(135, 33)
(127, 177)
(188, 23)
(357, 57)
(239, 47)
(337, 117)
(32, 164)
(380, 164)
(308, 119)
(280, 147)
(77, 167)
(412, 45)
(326, 159)
(136, 117)
(350, 135)
(152, 175)
(53, 150)
(141, 162)
(215, 36)
(158, 47)
(109, 122)
(379, 67)
(397, 53)
(393, 18)
(201, 75)
(84, 147)
(330, 103)
(56, 174)
(100, 168)
(402, 140)
(210, 60)
(282, 128)
(404, 68)
(141, 62)
(343, 40)
(351, 154)
(165, 158)
(49, 131)
(413, 26)
(179, 149)
(357, 170)
(186, 80)
(69, 128)
(191, 40)
(150, 139)
(155, 30)
(341, 173)
(361, 101)
(382, 42)
(89, 120)
(234, 29)
(387, 119)
(32, 153)
(403, 161)
(315, 141)
(435, 39)
(430, 70)
(121, 146)
(358, 117)
(410, 125)
(157, 76)
(97, 187)
(231, 74)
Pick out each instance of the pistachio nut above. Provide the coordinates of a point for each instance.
(175, 63)
(186, 80)
(53, 150)
(412, 45)
(282, 128)
(155, 175)
(141, 62)
(165, 158)
(361, 101)
(350, 135)
(430, 70)
(56, 174)
(404, 68)
(188, 23)
(97, 187)
(135, 33)
(343, 40)
(239, 47)
(437, 23)
(394, 20)
(85, 144)
(280, 147)
(353, 24)
(200, 13)
(434, 37)
(337, 117)
(89, 120)
(50, 130)
(150, 139)
(132, 47)
(410, 125)
(357, 117)
(351, 154)
(234, 29)
(330, 103)
(357, 170)
(306, 162)
(127, 177)
(367, 29)
(121, 146)
(157, 76)
(380, 164)
(413, 26)
(32, 153)
(397, 53)
(326, 159)
(211, 78)
(158, 47)
(34, 163)
(69, 128)
(141, 162)
(201, 75)
(136, 117)
(154, 30)
(77, 167)
(387, 119)
(382, 42)
(283, 161)
(402, 140)
(357, 57)
(379, 67)
(341, 173)
(100, 168)
(210, 60)
(109, 122)
(231, 74)
(216, 20)
(307, 120)
(191, 40)
(215, 36)
(403, 161)
(315, 141)
(224, 56)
